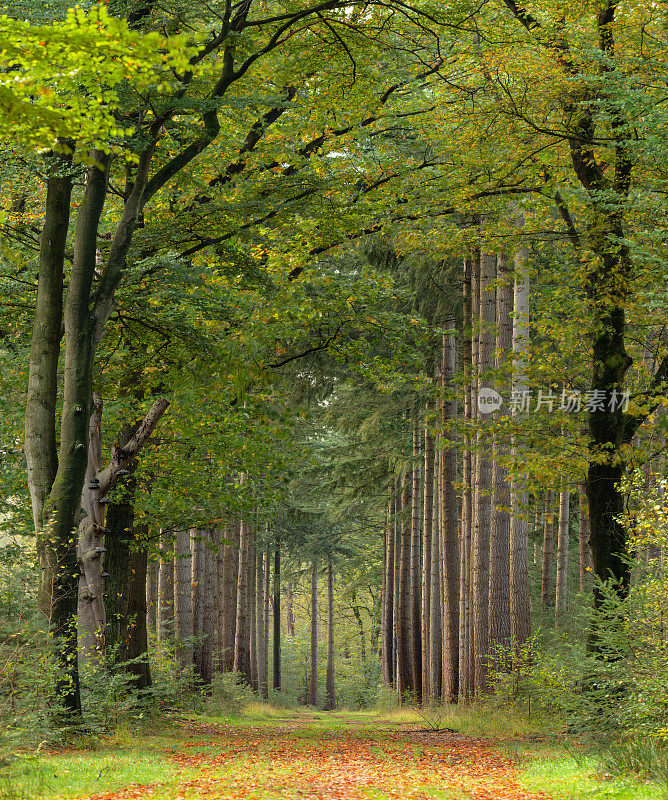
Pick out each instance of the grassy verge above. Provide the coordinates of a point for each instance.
(566, 777)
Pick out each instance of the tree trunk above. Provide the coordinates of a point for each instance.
(252, 608)
(263, 631)
(427, 693)
(415, 626)
(165, 588)
(183, 609)
(499, 558)
(562, 553)
(197, 599)
(330, 697)
(403, 680)
(468, 464)
(208, 610)
(483, 484)
(152, 596)
(289, 611)
(241, 636)
(583, 536)
(435, 624)
(313, 680)
(548, 550)
(449, 545)
(387, 621)
(229, 599)
(276, 677)
(520, 607)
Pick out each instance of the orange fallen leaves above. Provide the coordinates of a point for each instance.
(294, 764)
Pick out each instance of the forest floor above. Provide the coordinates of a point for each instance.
(271, 755)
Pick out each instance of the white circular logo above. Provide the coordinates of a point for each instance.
(489, 400)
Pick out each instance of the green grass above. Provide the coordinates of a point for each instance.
(571, 778)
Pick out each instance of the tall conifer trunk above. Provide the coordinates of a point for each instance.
(313, 677)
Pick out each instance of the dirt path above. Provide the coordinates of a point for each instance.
(304, 760)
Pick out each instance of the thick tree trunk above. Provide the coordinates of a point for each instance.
(127, 565)
(276, 672)
(546, 595)
(520, 608)
(499, 557)
(313, 677)
(415, 626)
(330, 697)
(428, 505)
(183, 609)
(483, 483)
(562, 553)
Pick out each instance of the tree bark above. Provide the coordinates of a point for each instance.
(449, 545)
(166, 588)
(313, 678)
(435, 624)
(468, 467)
(229, 589)
(197, 599)
(415, 626)
(276, 676)
(428, 506)
(152, 596)
(548, 551)
(241, 636)
(562, 553)
(289, 611)
(183, 609)
(252, 609)
(499, 558)
(403, 680)
(483, 484)
(583, 536)
(330, 697)
(520, 606)
(387, 620)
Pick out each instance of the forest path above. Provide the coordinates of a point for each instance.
(323, 756)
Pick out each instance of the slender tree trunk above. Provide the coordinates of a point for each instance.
(229, 590)
(152, 596)
(208, 609)
(499, 559)
(468, 462)
(313, 680)
(396, 578)
(387, 622)
(427, 693)
(403, 681)
(548, 551)
(165, 588)
(415, 626)
(435, 625)
(252, 608)
(562, 553)
(197, 599)
(276, 681)
(183, 608)
(263, 651)
(583, 536)
(289, 611)
(330, 697)
(450, 532)
(483, 484)
(241, 636)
